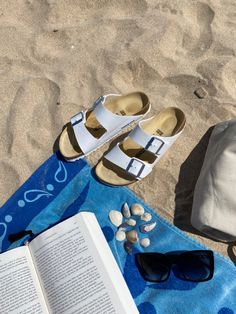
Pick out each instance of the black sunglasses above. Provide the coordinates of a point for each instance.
(194, 266)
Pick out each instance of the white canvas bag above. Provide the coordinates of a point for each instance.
(214, 203)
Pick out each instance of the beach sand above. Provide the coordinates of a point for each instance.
(57, 57)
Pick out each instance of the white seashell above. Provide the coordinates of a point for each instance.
(147, 227)
(145, 242)
(115, 217)
(137, 209)
(132, 236)
(126, 211)
(123, 227)
(146, 217)
(131, 222)
(128, 247)
(120, 235)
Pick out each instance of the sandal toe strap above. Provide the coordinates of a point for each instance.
(155, 144)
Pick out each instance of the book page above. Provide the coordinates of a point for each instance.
(72, 272)
(108, 265)
(20, 291)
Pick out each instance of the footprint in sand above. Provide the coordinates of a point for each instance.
(52, 45)
(214, 70)
(229, 77)
(79, 12)
(33, 120)
(199, 39)
(5, 65)
(168, 8)
(137, 72)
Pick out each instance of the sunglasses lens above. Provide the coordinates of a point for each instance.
(196, 265)
(153, 266)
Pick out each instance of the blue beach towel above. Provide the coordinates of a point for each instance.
(59, 189)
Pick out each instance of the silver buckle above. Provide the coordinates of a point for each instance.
(132, 163)
(77, 118)
(98, 101)
(153, 147)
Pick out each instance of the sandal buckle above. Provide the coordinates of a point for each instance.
(133, 164)
(77, 118)
(98, 101)
(154, 145)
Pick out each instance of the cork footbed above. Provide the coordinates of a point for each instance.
(167, 123)
(130, 105)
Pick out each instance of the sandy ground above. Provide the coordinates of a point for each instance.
(57, 57)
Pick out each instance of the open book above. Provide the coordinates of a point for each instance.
(68, 269)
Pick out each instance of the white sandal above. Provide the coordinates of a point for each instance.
(90, 129)
(134, 158)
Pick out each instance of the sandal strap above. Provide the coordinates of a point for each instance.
(84, 138)
(108, 119)
(132, 165)
(157, 145)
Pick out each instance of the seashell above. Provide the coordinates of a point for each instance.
(137, 209)
(145, 242)
(123, 227)
(128, 247)
(120, 235)
(132, 236)
(146, 217)
(147, 227)
(131, 222)
(126, 211)
(115, 217)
